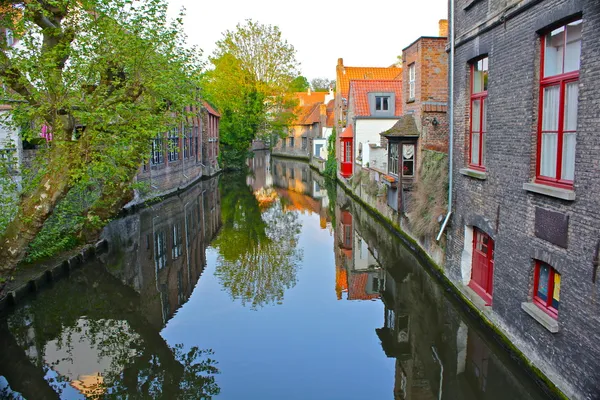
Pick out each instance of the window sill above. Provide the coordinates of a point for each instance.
(540, 316)
(473, 173)
(410, 101)
(559, 193)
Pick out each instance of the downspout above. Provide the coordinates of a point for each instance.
(451, 124)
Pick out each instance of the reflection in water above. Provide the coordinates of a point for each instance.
(258, 253)
(364, 322)
(96, 335)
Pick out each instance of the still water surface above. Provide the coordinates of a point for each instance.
(266, 286)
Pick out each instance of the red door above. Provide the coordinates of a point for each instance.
(482, 272)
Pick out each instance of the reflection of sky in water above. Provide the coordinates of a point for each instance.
(311, 346)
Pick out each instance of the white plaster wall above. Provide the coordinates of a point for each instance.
(466, 259)
(378, 158)
(367, 131)
(9, 137)
(323, 151)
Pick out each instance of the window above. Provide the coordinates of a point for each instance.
(382, 103)
(177, 249)
(559, 90)
(348, 153)
(173, 145)
(160, 251)
(479, 104)
(157, 156)
(187, 142)
(482, 272)
(408, 160)
(546, 288)
(411, 81)
(393, 159)
(283, 143)
(304, 143)
(292, 141)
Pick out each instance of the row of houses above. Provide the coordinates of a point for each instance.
(503, 114)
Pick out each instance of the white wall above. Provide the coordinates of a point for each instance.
(9, 137)
(367, 131)
(323, 151)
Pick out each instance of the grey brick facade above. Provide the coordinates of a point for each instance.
(509, 33)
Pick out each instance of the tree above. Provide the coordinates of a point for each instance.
(300, 84)
(104, 76)
(322, 84)
(249, 83)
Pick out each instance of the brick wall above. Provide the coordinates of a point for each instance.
(501, 207)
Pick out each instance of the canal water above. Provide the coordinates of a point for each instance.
(272, 285)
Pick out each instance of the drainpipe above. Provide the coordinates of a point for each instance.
(451, 127)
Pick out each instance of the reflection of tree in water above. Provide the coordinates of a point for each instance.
(93, 337)
(258, 254)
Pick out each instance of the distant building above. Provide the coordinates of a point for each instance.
(523, 243)
(183, 154)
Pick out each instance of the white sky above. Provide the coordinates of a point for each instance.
(370, 33)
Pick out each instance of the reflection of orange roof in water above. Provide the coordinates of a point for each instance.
(357, 287)
(298, 201)
(341, 281)
(265, 197)
(90, 385)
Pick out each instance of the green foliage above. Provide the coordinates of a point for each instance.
(331, 163)
(257, 261)
(9, 190)
(299, 84)
(249, 83)
(103, 75)
(430, 195)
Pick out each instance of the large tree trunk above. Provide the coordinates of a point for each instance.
(36, 206)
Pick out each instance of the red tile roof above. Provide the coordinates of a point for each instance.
(308, 114)
(359, 90)
(348, 132)
(210, 109)
(330, 114)
(346, 74)
(307, 98)
(357, 287)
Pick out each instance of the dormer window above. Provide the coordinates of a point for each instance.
(382, 103)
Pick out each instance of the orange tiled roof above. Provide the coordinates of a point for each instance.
(210, 109)
(307, 98)
(359, 90)
(330, 121)
(341, 281)
(348, 132)
(346, 74)
(307, 114)
(357, 287)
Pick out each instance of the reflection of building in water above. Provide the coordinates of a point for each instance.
(355, 261)
(164, 247)
(260, 165)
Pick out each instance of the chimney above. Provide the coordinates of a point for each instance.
(341, 62)
(443, 28)
(323, 110)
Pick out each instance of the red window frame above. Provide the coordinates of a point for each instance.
(560, 80)
(482, 98)
(546, 304)
(482, 266)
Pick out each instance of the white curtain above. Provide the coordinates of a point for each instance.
(570, 126)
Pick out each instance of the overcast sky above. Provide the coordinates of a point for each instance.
(369, 33)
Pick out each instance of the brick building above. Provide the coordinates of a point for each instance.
(524, 239)
(424, 126)
(183, 154)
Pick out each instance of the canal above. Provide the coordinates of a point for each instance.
(272, 285)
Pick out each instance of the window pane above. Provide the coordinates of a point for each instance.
(550, 109)
(573, 53)
(553, 54)
(480, 75)
(475, 115)
(378, 103)
(548, 156)
(568, 156)
(408, 154)
(556, 292)
(385, 106)
(475, 148)
(542, 291)
(571, 95)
